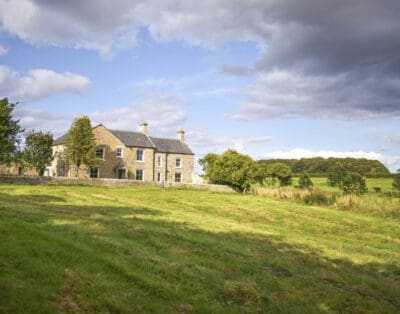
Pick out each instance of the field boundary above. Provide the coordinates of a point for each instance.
(37, 180)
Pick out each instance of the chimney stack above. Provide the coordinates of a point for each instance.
(143, 127)
(181, 135)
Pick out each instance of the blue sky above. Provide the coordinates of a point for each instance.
(269, 78)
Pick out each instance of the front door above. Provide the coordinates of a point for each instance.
(121, 173)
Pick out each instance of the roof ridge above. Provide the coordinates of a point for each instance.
(113, 130)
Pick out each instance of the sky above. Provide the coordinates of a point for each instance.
(269, 78)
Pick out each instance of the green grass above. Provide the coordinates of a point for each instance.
(147, 249)
(384, 183)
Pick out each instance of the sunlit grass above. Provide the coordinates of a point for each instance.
(148, 249)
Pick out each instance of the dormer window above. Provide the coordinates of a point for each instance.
(100, 152)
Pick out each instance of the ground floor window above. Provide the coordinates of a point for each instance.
(178, 177)
(159, 177)
(94, 172)
(139, 174)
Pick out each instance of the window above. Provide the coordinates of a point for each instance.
(100, 152)
(139, 174)
(178, 177)
(159, 160)
(178, 163)
(119, 152)
(159, 177)
(139, 155)
(94, 172)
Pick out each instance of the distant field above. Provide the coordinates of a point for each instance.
(147, 249)
(384, 183)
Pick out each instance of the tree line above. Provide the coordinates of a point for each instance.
(318, 166)
(242, 172)
(33, 149)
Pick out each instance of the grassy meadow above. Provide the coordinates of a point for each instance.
(147, 249)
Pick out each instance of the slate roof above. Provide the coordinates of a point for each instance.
(61, 140)
(137, 139)
(166, 145)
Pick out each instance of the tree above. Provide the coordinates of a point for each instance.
(38, 152)
(305, 182)
(353, 183)
(281, 172)
(207, 162)
(10, 132)
(336, 174)
(396, 181)
(80, 146)
(234, 169)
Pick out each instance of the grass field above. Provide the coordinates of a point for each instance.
(147, 249)
(384, 183)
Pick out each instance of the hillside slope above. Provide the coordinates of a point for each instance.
(147, 249)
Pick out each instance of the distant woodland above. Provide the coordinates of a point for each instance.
(319, 166)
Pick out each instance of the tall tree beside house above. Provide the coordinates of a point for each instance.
(80, 146)
(38, 151)
(10, 132)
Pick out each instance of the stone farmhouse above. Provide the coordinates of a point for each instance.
(131, 155)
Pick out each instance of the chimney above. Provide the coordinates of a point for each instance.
(143, 127)
(181, 135)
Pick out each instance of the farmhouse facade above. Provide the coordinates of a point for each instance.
(131, 155)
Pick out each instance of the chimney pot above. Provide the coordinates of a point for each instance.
(181, 135)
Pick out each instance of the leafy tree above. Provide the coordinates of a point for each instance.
(396, 181)
(234, 169)
(80, 146)
(9, 132)
(38, 152)
(305, 181)
(207, 162)
(336, 174)
(281, 172)
(353, 183)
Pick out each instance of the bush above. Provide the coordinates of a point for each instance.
(305, 182)
(354, 183)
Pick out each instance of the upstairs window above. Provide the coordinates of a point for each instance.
(139, 155)
(119, 152)
(139, 174)
(178, 163)
(159, 161)
(100, 152)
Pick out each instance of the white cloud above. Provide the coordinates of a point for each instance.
(39, 83)
(3, 50)
(297, 153)
(164, 114)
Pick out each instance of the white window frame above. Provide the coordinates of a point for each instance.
(180, 162)
(90, 172)
(159, 161)
(122, 152)
(142, 179)
(180, 177)
(138, 160)
(103, 150)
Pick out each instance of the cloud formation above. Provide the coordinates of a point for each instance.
(3, 50)
(335, 59)
(39, 83)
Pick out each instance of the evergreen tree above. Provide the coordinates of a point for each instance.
(80, 145)
(38, 152)
(10, 132)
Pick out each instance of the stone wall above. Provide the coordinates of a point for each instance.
(107, 183)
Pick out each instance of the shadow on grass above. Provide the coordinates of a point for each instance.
(129, 259)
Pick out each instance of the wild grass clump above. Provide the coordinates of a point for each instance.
(377, 204)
